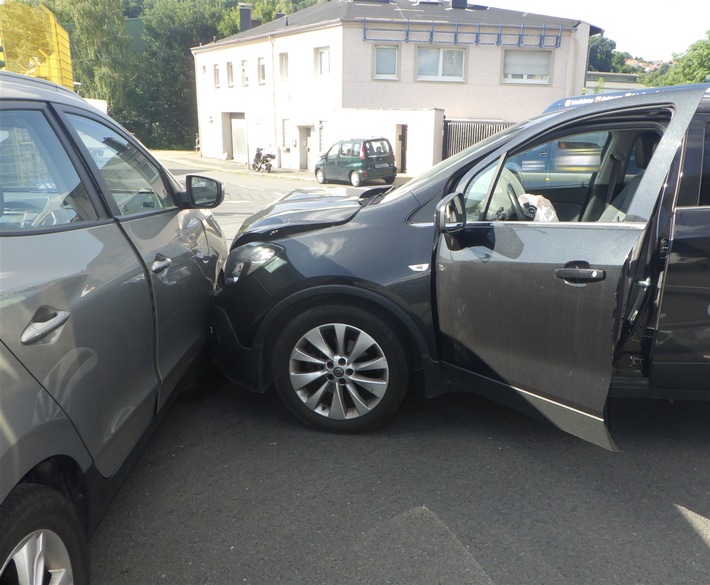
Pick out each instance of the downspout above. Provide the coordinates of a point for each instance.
(575, 56)
(277, 149)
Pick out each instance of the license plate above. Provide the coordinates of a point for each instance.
(381, 166)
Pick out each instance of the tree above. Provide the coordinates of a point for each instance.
(229, 23)
(132, 8)
(99, 46)
(162, 105)
(693, 66)
(600, 53)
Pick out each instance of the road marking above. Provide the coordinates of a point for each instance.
(700, 524)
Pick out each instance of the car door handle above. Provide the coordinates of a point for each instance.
(578, 275)
(160, 265)
(51, 319)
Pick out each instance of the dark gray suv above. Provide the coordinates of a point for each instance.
(551, 296)
(108, 269)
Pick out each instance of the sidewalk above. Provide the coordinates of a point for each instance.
(194, 159)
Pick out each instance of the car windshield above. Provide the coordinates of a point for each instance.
(453, 161)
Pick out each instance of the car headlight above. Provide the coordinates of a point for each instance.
(248, 258)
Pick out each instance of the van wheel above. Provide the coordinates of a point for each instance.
(355, 179)
(340, 368)
(389, 180)
(320, 176)
(40, 538)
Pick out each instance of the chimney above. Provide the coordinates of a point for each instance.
(244, 17)
(461, 4)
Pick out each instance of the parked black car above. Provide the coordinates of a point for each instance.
(550, 299)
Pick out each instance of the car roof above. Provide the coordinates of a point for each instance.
(587, 99)
(23, 87)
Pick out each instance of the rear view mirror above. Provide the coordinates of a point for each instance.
(450, 214)
(203, 192)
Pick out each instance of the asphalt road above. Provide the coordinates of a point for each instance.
(453, 491)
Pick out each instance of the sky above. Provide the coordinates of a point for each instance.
(649, 30)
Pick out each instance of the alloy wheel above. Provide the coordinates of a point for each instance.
(338, 371)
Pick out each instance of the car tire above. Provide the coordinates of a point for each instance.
(320, 176)
(340, 368)
(355, 179)
(390, 180)
(38, 522)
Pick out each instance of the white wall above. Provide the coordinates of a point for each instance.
(482, 95)
(305, 113)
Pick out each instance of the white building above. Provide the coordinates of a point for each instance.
(393, 68)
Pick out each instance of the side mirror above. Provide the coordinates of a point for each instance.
(450, 216)
(202, 192)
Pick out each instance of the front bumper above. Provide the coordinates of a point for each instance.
(243, 365)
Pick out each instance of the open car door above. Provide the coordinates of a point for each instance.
(529, 311)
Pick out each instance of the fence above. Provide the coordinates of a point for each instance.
(460, 134)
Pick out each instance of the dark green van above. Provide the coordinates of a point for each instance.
(357, 160)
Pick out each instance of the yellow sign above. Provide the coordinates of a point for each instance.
(34, 43)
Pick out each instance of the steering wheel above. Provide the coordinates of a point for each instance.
(46, 219)
(513, 189)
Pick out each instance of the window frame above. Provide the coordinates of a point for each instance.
(230, 74)
(526, 78)
(171, 185)
(261, 70)
(245, 76)
(283, 66)
(69, 148)
(386, 76)
(319, 62)
(440, 76)
(215, 74)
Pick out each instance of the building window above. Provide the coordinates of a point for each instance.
(440, 64)
(527, 66)
(386, 62)
(261, 70)
(245, 77)
(216, 75)
(230, 75)
(283, 65)
(322, 55)
(287, 129)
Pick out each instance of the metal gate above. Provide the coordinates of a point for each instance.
(460, 134)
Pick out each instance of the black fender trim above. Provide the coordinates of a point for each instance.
(423, 353)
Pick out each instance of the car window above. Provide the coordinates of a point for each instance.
(377, 147)
(39, 187)
(566, 161)
(346, 149)
(705, 178)
(134, 182)
(589, 177)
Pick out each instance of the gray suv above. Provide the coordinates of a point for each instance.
(109, 267)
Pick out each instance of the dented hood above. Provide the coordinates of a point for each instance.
(306, 209)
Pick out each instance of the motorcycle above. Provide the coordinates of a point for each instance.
(262, 160)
